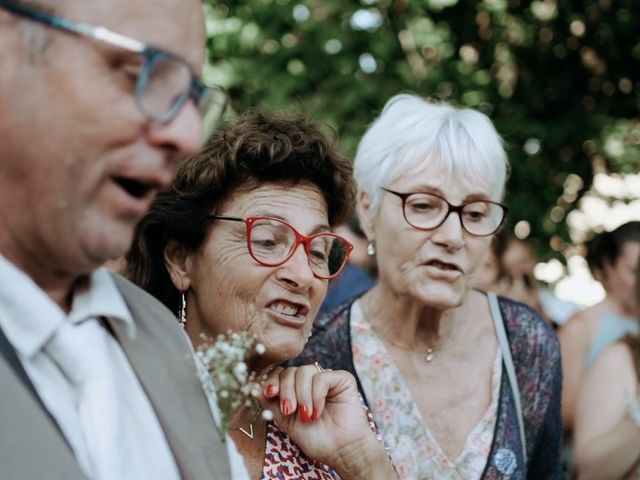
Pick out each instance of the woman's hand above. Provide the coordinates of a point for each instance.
(321, 411)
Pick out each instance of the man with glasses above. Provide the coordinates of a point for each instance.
(97, 101)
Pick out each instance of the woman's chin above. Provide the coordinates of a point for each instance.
(442, 297)
(281, 351)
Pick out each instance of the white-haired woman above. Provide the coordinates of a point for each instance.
(462, 384)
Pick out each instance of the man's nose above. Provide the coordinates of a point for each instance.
(182, 135)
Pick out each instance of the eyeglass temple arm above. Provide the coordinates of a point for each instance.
(100, 34)
(222, 217)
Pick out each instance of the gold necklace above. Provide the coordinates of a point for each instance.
(249, 433)
(429, 355)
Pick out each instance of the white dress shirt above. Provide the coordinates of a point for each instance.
(29, 319)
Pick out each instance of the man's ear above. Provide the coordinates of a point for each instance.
(365, 214)
(177, 260)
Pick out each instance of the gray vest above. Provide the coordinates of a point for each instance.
(31, 445)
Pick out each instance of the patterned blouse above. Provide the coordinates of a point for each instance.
(395, 413)
(284, 460)
(536, 357)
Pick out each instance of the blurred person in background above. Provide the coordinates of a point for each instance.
(461, 384)
(356, 277)
(607, 419)
(612, 258)
(491, 276)
(518, 262)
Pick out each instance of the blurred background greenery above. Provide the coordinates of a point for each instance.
(560, 80)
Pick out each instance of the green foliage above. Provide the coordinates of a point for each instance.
(560, 80)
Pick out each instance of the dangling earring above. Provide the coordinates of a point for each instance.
(182, 312)
(371, 248)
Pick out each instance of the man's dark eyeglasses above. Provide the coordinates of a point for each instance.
(165, 82)
(427, 211)
(271, 242)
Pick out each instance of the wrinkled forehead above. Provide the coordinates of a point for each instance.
(173, 25)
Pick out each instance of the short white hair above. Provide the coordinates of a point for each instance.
(412, 132)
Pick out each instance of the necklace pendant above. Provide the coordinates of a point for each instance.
(430, 355)
(247, 433)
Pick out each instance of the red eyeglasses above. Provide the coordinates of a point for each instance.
(271, 242)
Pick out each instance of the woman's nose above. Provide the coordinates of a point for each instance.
(297, 270)
(451, 232)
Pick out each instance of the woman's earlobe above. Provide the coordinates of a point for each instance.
(176, 260)
(363, 209)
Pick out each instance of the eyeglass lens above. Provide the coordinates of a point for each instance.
(423, 210)
(166, 84)
(272, 242)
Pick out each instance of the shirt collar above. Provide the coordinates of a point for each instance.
(28, 316)
(99, 297)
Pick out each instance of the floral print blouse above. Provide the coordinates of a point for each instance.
(394, 411)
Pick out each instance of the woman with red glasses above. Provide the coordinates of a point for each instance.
(462, 384)
(242, 241)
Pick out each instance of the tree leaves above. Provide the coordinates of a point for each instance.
(563, 77)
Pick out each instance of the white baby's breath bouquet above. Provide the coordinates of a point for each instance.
(227, 377)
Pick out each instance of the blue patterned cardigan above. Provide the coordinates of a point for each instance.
(536, 356)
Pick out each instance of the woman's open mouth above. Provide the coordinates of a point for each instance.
(289, 313)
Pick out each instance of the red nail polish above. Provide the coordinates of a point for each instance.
(269, 391)
(304, 414)
(286, 407)
(314, 415)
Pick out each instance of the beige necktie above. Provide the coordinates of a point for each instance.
(83, 353)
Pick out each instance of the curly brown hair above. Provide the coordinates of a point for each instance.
(282, 148)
